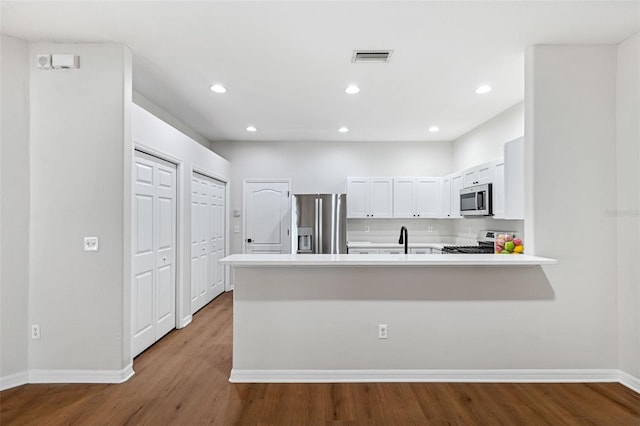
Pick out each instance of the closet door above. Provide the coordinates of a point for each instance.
(207, 242)
(218, 238)
(199, 246)
(154, 237)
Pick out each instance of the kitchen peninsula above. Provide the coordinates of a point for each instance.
(331, 318)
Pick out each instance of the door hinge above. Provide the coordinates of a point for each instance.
(288, 231)
(288, 194)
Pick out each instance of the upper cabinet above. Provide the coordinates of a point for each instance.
(369, 197)
(477, 175)
(514, 179)
(450, 195)
(498, 190)
(416, 197)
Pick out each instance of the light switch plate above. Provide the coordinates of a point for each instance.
(90, 243)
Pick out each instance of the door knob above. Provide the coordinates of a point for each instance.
(164, 259)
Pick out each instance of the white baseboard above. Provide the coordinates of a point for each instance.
(13, 380)
(81, 376)
(471, 376)
(629, 381)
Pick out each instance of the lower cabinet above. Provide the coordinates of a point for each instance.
(364, 251)
(392, 251)
(421, 250)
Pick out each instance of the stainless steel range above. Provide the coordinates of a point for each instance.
(486, 240)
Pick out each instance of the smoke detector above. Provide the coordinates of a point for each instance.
(371, 56)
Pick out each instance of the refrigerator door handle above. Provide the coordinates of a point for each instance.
(319, 221)
(316, 229)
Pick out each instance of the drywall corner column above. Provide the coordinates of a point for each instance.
(78, 127)
(570, 94)
(14, 215)
(627, 211)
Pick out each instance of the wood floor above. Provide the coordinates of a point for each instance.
(183, 380)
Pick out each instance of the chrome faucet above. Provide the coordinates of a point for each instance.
(404, 239)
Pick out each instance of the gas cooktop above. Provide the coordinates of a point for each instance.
(485, 244)
(480, 249)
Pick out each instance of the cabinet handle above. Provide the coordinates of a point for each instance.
(249, 240)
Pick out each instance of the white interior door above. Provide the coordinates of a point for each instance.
(207, 239)
(154, 238)
(267, 216)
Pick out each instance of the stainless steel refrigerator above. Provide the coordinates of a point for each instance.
(319, 223)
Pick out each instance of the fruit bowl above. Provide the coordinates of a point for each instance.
(508, 243)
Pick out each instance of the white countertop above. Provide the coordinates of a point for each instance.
(248, 260)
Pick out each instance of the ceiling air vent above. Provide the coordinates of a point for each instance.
(371, 55)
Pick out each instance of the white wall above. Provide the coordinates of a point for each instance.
(14, 205)
(156, 137)
(163, 115)
(324, 166)
(627, 213)
(570, 149)
(485, 142)
(80, 151)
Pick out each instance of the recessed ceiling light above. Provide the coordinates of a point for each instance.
(352, 89)
(218, 88)
(251, 129)
(483, 89)
(343, 129)
(434, 129)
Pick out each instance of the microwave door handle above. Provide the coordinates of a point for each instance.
(477, 203)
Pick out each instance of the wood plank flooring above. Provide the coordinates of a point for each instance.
(183, 380)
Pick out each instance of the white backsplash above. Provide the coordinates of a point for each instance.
(449, 231)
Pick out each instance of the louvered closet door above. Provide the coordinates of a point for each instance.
(207, 241)
(154, 238)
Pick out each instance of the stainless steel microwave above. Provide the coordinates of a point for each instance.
(476, 200)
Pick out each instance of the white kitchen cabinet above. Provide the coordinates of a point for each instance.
(499, 190)
(392, 250)
(477, 175)
(369, 197)
(514, 179)
(456, 186)
(364, 251)
(422, 250)
(416, 197)
(445, 197)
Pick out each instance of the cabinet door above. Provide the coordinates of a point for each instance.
(485, 172)
(381, 197)
(498, 190)
(424, 250)
(514, 179)
(363, 251)
(427, 198)
(456, 186)
(403, 197)
(392, 251)
(445, 197)
(357, 197)
(470, 177)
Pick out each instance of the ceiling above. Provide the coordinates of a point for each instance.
(286, 64)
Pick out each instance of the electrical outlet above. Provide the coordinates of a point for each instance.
(382, 331)
(35, 331)
(366, 229)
